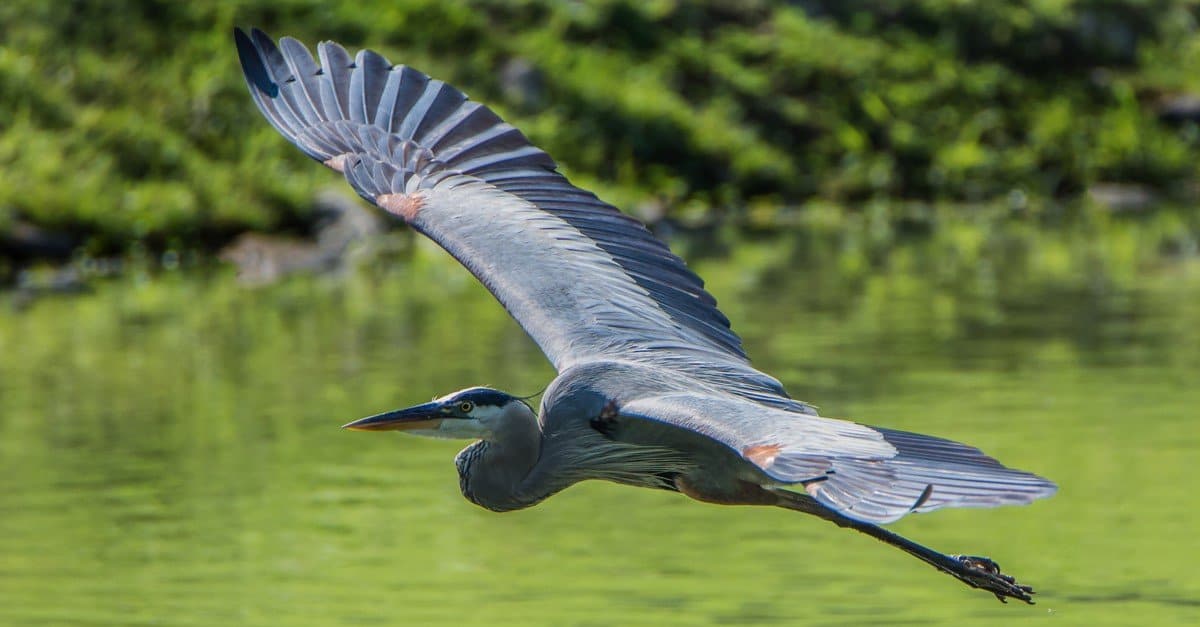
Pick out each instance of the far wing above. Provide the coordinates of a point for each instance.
(584, 280)
(868, 473)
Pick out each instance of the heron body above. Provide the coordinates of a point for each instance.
(653, 388)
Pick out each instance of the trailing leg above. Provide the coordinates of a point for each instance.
(977, 572)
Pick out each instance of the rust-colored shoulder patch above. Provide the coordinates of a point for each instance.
(338, 162)
(406, 206)
(764, 454)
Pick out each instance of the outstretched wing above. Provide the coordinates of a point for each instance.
(867, 473)
(584, 280)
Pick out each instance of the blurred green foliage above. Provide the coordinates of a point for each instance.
(126, 124)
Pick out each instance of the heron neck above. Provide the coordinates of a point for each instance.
(494, 473)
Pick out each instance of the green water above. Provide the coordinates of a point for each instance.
(170, 454)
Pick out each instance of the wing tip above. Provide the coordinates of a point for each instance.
(250, 55)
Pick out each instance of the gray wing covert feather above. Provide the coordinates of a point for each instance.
(794, 448)
(868, 473)
(484, 190)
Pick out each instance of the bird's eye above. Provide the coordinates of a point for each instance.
(466, 407)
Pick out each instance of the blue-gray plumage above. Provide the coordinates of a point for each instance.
(653, 386)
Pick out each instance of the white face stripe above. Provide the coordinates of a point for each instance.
(459, 429)
(486, 413)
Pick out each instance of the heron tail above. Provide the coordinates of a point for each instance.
(927, 473)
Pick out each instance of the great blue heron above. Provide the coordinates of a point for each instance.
(653, 388)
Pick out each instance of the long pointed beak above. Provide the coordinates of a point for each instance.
(427, 416)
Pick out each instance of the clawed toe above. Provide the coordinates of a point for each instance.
(983, 573)
(979, 563)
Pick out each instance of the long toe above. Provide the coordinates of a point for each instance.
(983, 573)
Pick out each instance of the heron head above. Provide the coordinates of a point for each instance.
(473, 413)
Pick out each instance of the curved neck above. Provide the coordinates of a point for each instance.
(493, 472)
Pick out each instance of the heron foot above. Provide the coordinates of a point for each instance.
(983, 573)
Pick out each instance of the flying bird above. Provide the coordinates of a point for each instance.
(653, 387)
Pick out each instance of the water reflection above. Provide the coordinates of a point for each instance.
(170, 453)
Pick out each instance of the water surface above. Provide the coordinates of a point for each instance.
(170, 454)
